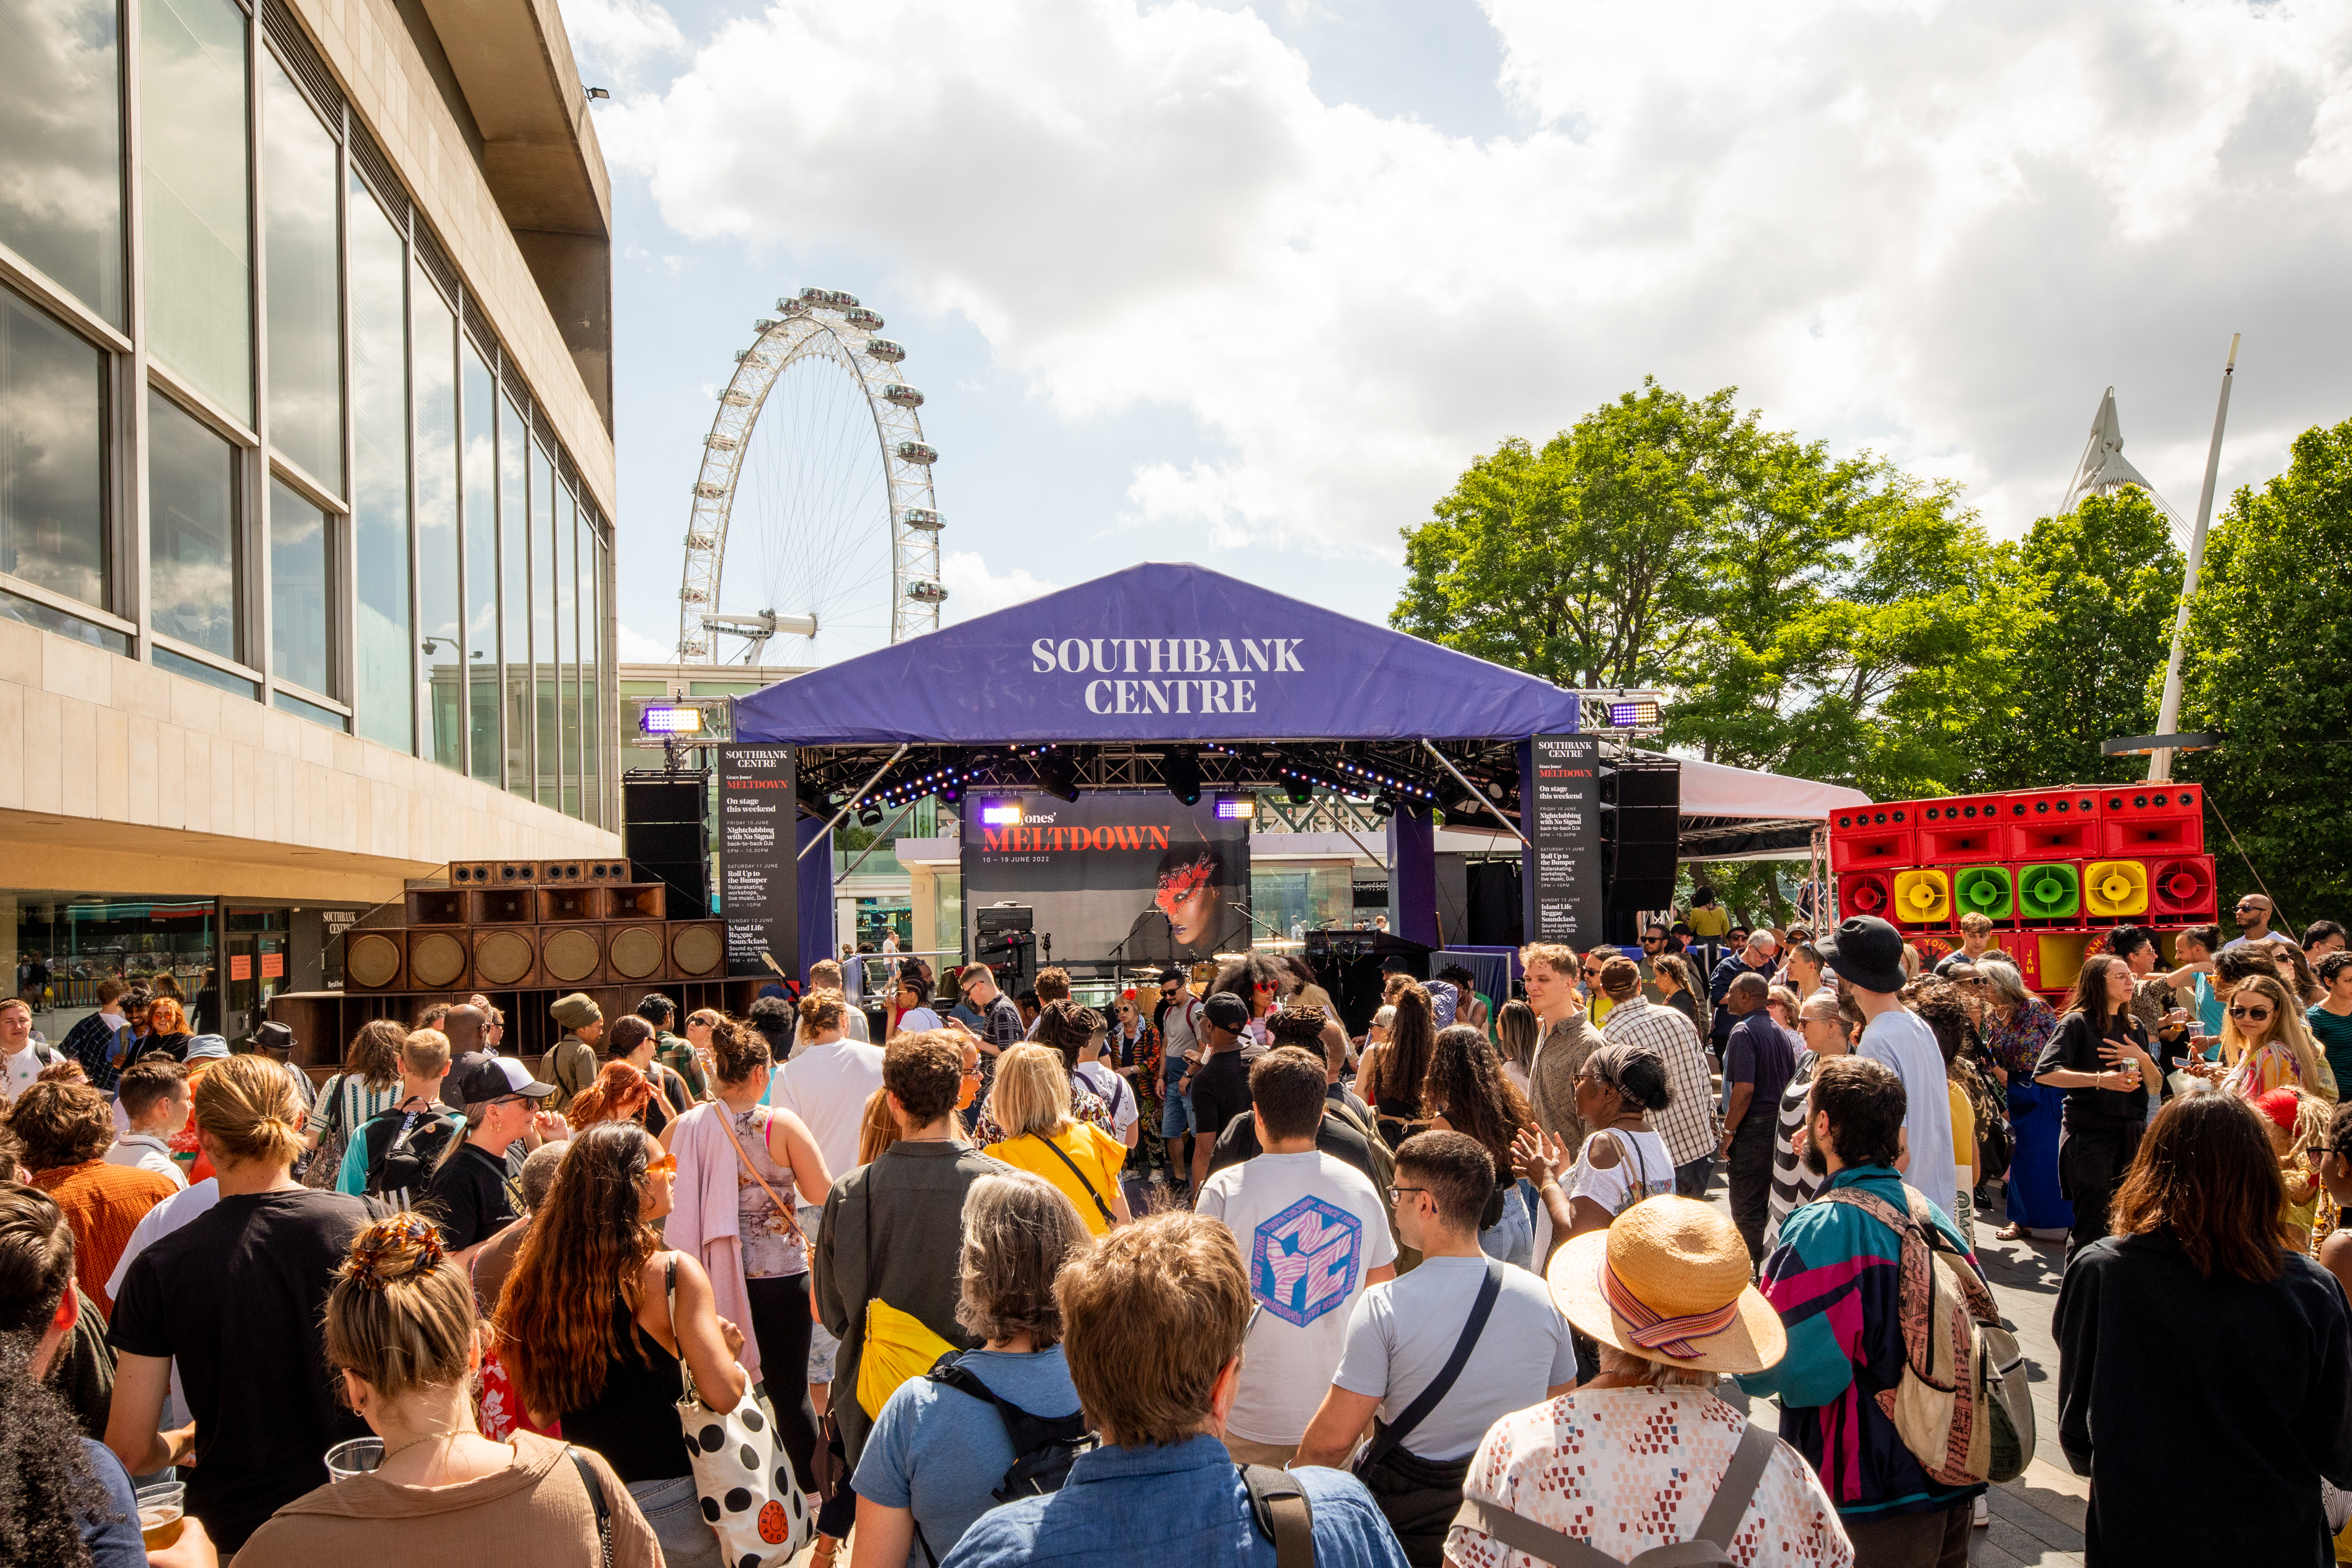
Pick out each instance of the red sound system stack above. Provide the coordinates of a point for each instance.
(2053, 869)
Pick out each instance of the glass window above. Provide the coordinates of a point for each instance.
(197, 670)
(548, 603)
(514, 586)
(193, 166)
(567, 642)
(32, 612)
(193, 565)
(593, 721)
(481, 492)
(304, 281)
(385, 692)
(300, 552)
(311, 711)
(52, 455)
(436, 520)
(61, 146)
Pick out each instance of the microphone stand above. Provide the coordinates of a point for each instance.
(1253, 919)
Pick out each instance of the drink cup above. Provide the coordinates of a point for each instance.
(163, 1514)
(354, 1457)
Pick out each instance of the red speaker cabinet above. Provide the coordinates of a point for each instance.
(1959, 832)
(1866, 893)
(2050, 825)
(2152, 821)
(1877, 848)
(2181, 889)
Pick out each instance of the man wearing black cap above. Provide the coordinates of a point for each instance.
(1219, 1082)
(472, 1194)
(1867, 953)
(276, 1041)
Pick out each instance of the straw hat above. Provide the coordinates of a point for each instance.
(1680, 1268)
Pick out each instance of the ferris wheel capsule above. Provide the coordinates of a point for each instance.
(915, 452)
(924, 518)
(884, 350)
(903, 395)
(693, 596)
(924, 591)
(765, 323)
(862, 319)
(793, 305)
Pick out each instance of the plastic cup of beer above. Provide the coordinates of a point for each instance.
(163, 1514)
(354, 1457)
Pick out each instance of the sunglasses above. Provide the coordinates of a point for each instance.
(662, 1167)
(2256, 1014)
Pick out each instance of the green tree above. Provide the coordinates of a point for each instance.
(2269, 664)
(2091, 665)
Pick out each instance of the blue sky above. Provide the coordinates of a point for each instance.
(1249, 286)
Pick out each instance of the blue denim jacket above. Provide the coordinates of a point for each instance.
(1176, 1507)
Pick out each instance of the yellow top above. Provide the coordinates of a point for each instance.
(1095, 1153)
(1713, 920)
(1964, 1135)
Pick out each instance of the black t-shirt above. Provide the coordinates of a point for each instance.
(1239, 1142)
(1221, 1092)
(2075, 1047)
(665, 1081)
(238, 1298)
(472, 1197)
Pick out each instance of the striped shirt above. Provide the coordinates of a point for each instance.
(1688, 1127)
(1792, 1182)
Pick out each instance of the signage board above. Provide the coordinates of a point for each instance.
(1563, 827)
(757, 876)
(1116, 875)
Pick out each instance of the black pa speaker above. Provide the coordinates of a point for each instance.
(1641, 836)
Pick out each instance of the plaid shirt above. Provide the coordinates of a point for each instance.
(1688, 1127)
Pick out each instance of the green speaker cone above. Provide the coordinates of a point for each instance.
(2049, 891)
(1984, 890)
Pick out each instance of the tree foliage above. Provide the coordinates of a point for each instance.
(2269, 664)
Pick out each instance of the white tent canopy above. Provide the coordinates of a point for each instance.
(1712, 789)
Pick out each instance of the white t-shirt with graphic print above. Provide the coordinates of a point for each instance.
(1310, 1228)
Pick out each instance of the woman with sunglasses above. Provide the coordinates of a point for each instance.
(2101, 1057)
(2018, 1027)
(596, 1317)
(2267, 1044)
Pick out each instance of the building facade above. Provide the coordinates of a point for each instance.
(306, 475)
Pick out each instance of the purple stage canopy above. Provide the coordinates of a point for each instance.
(1158, 651)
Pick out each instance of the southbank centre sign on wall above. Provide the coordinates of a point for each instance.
(1170, 674)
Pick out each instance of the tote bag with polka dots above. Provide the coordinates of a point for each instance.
(741, 1476)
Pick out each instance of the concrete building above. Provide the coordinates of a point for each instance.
(306, 477)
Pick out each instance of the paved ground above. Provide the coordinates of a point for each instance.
(2037, 1519)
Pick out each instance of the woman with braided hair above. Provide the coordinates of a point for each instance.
(401, 1336)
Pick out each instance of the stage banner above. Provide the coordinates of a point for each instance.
(1563, 883)
(758, 878)
(1134, 875)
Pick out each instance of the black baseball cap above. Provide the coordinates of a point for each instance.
(479, 1079)
(1227, 1011)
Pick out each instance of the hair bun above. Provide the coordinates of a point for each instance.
(399, 1247)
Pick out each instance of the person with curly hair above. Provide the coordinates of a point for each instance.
(620, 1093)
(65, 1500)
(1467, 1091)
(368, 1085)
(66, 1129)
(596, 1317)
(400, 1337)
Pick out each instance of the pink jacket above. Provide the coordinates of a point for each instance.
(702, 1220)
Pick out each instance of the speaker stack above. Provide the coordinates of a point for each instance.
(667, 832)
(1641, 837)
(568, 925)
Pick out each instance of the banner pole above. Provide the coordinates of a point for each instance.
(1476, 793)
(852, 805)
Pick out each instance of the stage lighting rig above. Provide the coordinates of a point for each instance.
(1057, 775)
(1182, 772)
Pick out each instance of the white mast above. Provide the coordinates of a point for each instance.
(2167, 716)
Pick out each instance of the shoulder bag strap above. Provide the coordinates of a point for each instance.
(596, 1501)
(1279, 1504)
(1414, 1414)
(1520, 1533)
(669, 1295)
(727, 1121)
(1100, 1204)
(1737, 1487)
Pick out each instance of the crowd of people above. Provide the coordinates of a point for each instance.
(1200, 1275)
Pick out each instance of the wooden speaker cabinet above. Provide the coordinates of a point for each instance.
(572, 955)
(436, 906)
(471, 874)
(607, 870)
(438, 959)
(375, 960)
(514, 873)
(502, 906)
(636, 952)
(698, 949)
(563, 905)
(640, 901)
(560, 874)
(505, 957)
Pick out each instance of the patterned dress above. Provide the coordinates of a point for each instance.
(1627, 1470)
(2033, 1197)
(773, 1248)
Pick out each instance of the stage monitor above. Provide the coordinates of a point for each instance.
(1119, 876)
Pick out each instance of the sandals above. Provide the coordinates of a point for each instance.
(822, 1555)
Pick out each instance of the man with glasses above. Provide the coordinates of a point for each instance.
(1178, 1020)
(1754, 956)
(1826, 1034)
(1564, 1038)
(1653, 943)
(1596, 1002)
(2254, 917)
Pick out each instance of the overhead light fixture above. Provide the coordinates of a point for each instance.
(1299, 788)
(1384, 804)
(1640, 714)
(1182, 770)
(871, 816)
(1235, 807)
(1059, 777)
(999, 813)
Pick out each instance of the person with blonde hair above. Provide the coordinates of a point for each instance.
(1030, 1102)
(2267, 1044)
(400, 1335)
(235, 1299)
(941, 1452)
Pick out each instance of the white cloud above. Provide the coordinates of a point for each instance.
(974, 588)
(1933, 228)
(636, 648)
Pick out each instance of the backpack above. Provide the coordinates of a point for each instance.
(399, 1173)
(1961, 1406)
(1044, 1448)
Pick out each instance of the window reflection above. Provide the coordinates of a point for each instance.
(480, 469)
(61, 140)
(306, 349)
(192, 95)
(52, 456)
(442, 644)
(301, 545)
(192, 570)
(548, 594)
(514, 589)
(385, 691)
